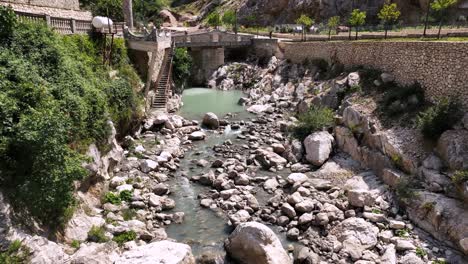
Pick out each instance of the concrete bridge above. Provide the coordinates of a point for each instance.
(209, 50)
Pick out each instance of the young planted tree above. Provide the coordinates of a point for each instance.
(357, 19)
(441, 8)
(306, 22)
(229, 19)
(214, 20)
(389, 14)
(332, 24)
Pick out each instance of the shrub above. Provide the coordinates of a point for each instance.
(16, 253)
(55, 99)
(460, 177)
(402, 232)
(125, 237)
(128, 214)
(126, 195)
(75, 244)
(7, 23)
(314, 120)
(439, 118)
(97, 234)
(112, 198)
(420, 252)
(182, 68)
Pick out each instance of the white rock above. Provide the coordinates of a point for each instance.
(158, 252)
(211, 121)
(257, 109)
(148, 165)
(197, 135)
(318, 147)
(125, 187)
(271, 184)
(77, 228)
(96, 253)
(297, 178)
(240, 217)
(253, 242)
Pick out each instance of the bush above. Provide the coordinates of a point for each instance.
(460, 177)
(55, 99)
(439, 118)
(125, 237)
(128, 214)
(126, 195)
(7, 23)
(112, 198)
(314, 120)
(97, 234)
(182, 68)
(16, 253)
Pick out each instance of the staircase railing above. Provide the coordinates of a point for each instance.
(169, 75)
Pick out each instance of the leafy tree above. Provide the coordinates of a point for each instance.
(182, 68)
(441, 7)
(389, 14)
(214, 19)
(357, 19)
(332, 24)
(7, 23)
(229, 18)
(306, 22)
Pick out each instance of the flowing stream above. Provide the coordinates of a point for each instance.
(204, 229)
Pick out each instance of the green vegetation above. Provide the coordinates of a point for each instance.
(402, 232)
(460, 177)
(420, 252)
(405, 190)
(441, 9)
(126, 195)
(16, 253)
(128, 214)
(439, 261)
(97, 234)
(316, 119)
(214, 19)
(125, 237)
(75, 244)
(357, 19)
(229, 19)
(376, 211)
(389, 14)
(332, 24)
(429, 206)
(306, 22)
(439, 118)
(56, 98)
(183, 63)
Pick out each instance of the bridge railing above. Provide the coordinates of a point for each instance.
(68, 26)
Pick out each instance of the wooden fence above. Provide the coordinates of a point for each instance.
(68, 26)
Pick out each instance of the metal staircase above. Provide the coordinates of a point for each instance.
(163, 84)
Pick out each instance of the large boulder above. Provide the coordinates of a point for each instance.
(210, 120)
(253, 242)
(96, 253)
(78, 227)
(318, 147)
(44, 251)
(168, 18)
(453, 148)
(269, 159)
(158, 252)
(356, 235)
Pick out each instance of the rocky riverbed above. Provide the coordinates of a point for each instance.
(189, 191)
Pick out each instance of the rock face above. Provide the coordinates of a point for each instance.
(210, 120)
(453, 148)
(78, 227)
(158, 252)
(318, 147)
(253, 242)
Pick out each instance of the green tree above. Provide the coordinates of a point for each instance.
(306, 22)
(389, 14)
(332, 24)
(182, 68)
(214, 20)
(357, 19)
(7, 23)
(229, 19)
(441, 8)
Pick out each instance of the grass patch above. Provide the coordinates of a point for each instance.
(75, 244)
(112, 198)
(402, 232)
(97, 234)
(16, 253)
(314, 120)
(125, 237)
(420, 252)
(460, 177)
(128, 214)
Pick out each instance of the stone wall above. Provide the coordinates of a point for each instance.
(51, 11)
(440, 67)
(62, 4)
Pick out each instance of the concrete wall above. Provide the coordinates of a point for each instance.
(63, 4)
(206, 61)
(440, 67)
(66, 12)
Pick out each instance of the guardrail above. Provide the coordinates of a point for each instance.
(68, 26)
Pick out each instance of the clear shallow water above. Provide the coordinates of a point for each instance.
(203, 229)
(198, 101)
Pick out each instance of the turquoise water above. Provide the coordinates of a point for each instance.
(198, 101)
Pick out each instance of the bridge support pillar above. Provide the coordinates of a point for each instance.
(206, 61)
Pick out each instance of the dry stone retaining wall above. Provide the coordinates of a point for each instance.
(63, 4)
(440, 67)
(65, 12)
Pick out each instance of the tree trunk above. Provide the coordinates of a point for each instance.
(350, 29)
(329, 34)
(357, 30)
(128, 13)
(440, 29)
(427, 17)
(386, 30)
